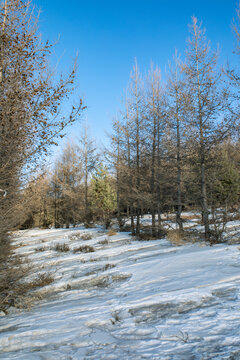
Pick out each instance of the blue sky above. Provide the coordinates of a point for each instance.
(108, 35)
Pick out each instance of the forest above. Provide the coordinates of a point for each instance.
(174, 144)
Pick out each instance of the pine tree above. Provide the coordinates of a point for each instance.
(103, 196)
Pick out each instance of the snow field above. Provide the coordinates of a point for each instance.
(127, 300)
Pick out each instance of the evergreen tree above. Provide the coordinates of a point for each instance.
(103, 196)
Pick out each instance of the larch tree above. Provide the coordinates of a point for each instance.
(89, 158)
(155, 125)
(135, 111)
(30, 99)
(121, 171)
(70, 174)
(233, 84)
(202, 78)
(128, 171)
(177, 113)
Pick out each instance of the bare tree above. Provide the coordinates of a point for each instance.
(177, 113)
(156, 122)
(136, 119)
(88, 153)
(203, 79)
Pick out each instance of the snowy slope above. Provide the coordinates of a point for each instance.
(127, 300)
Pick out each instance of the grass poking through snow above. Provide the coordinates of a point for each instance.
(84, 249)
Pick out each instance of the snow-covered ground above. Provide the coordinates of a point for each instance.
(127, 300)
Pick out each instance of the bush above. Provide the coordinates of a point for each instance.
(15, 290)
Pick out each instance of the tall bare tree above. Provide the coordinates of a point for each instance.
(203, 79)
(136, 123)
(156, 121)
(177, 114)
(89, 158)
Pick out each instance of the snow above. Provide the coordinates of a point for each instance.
(127, 300)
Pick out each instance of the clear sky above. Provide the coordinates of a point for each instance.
(109, 34)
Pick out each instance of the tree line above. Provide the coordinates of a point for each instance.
(177, 141)
(77, 189)
(174, 144)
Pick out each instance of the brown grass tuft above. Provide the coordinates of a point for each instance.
(111, 232)
(15, 289)
(40, 249)
(108, 266)
(84, 249)
(104, 242)
(190, 217)
(176, 237)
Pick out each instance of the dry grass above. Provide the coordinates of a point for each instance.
(79, 236)
(176, 237)
(86, 236)
(61, 247)
(104, 242)
(84, 249)
(43, 280)
(89, 226)
(190, 217)
(120, 277)
(75, 236)
(146, 234)
(41, 249)
(15, 289)
(108, 266)
(100, 269)
(111, 232)
(100, 281)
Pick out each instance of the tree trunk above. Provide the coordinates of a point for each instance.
(179, 190)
